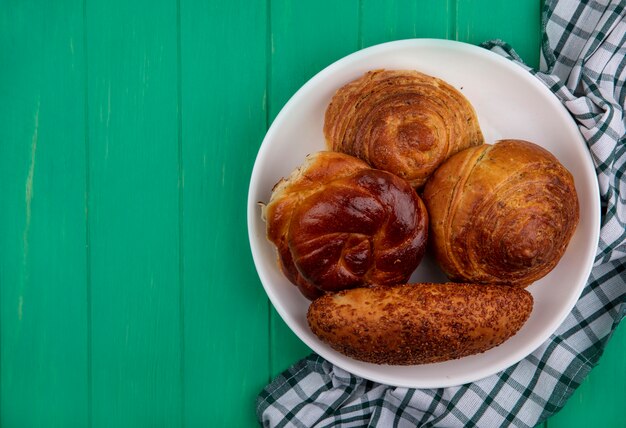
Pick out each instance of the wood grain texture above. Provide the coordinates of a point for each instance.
(43, 294)
(226, 335)
(134, 213)
(405, 19)
(515, 22)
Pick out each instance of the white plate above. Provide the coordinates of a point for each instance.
(510, 103)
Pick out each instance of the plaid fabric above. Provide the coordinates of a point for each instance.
(583, 63)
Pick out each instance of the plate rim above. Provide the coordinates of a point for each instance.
(252, 205)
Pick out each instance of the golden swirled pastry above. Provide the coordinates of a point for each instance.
(401, 121)
(501, 213)
(338, 224)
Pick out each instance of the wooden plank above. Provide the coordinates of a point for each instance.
(599, 401)
(43, 293)
(515, 22)
(305, 38)
(134, 212)
(223, 123)
(404, 19)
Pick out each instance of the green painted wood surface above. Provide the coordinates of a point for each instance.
(133, 213)
(128, 131)
(223, 105)
(44, 347)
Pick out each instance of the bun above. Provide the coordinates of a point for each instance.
(419, 323)
(401, 121)
(339, 224)
(501, 213)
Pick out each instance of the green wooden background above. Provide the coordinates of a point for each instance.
(128, 130)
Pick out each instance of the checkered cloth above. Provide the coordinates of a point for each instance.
(583, 63)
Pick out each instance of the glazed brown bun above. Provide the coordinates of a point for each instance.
(337, 224)
(419, 323)
(401, 121)
(501, 213)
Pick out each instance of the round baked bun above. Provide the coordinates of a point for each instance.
(338, 224)
(501, 213)
(401, 121)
